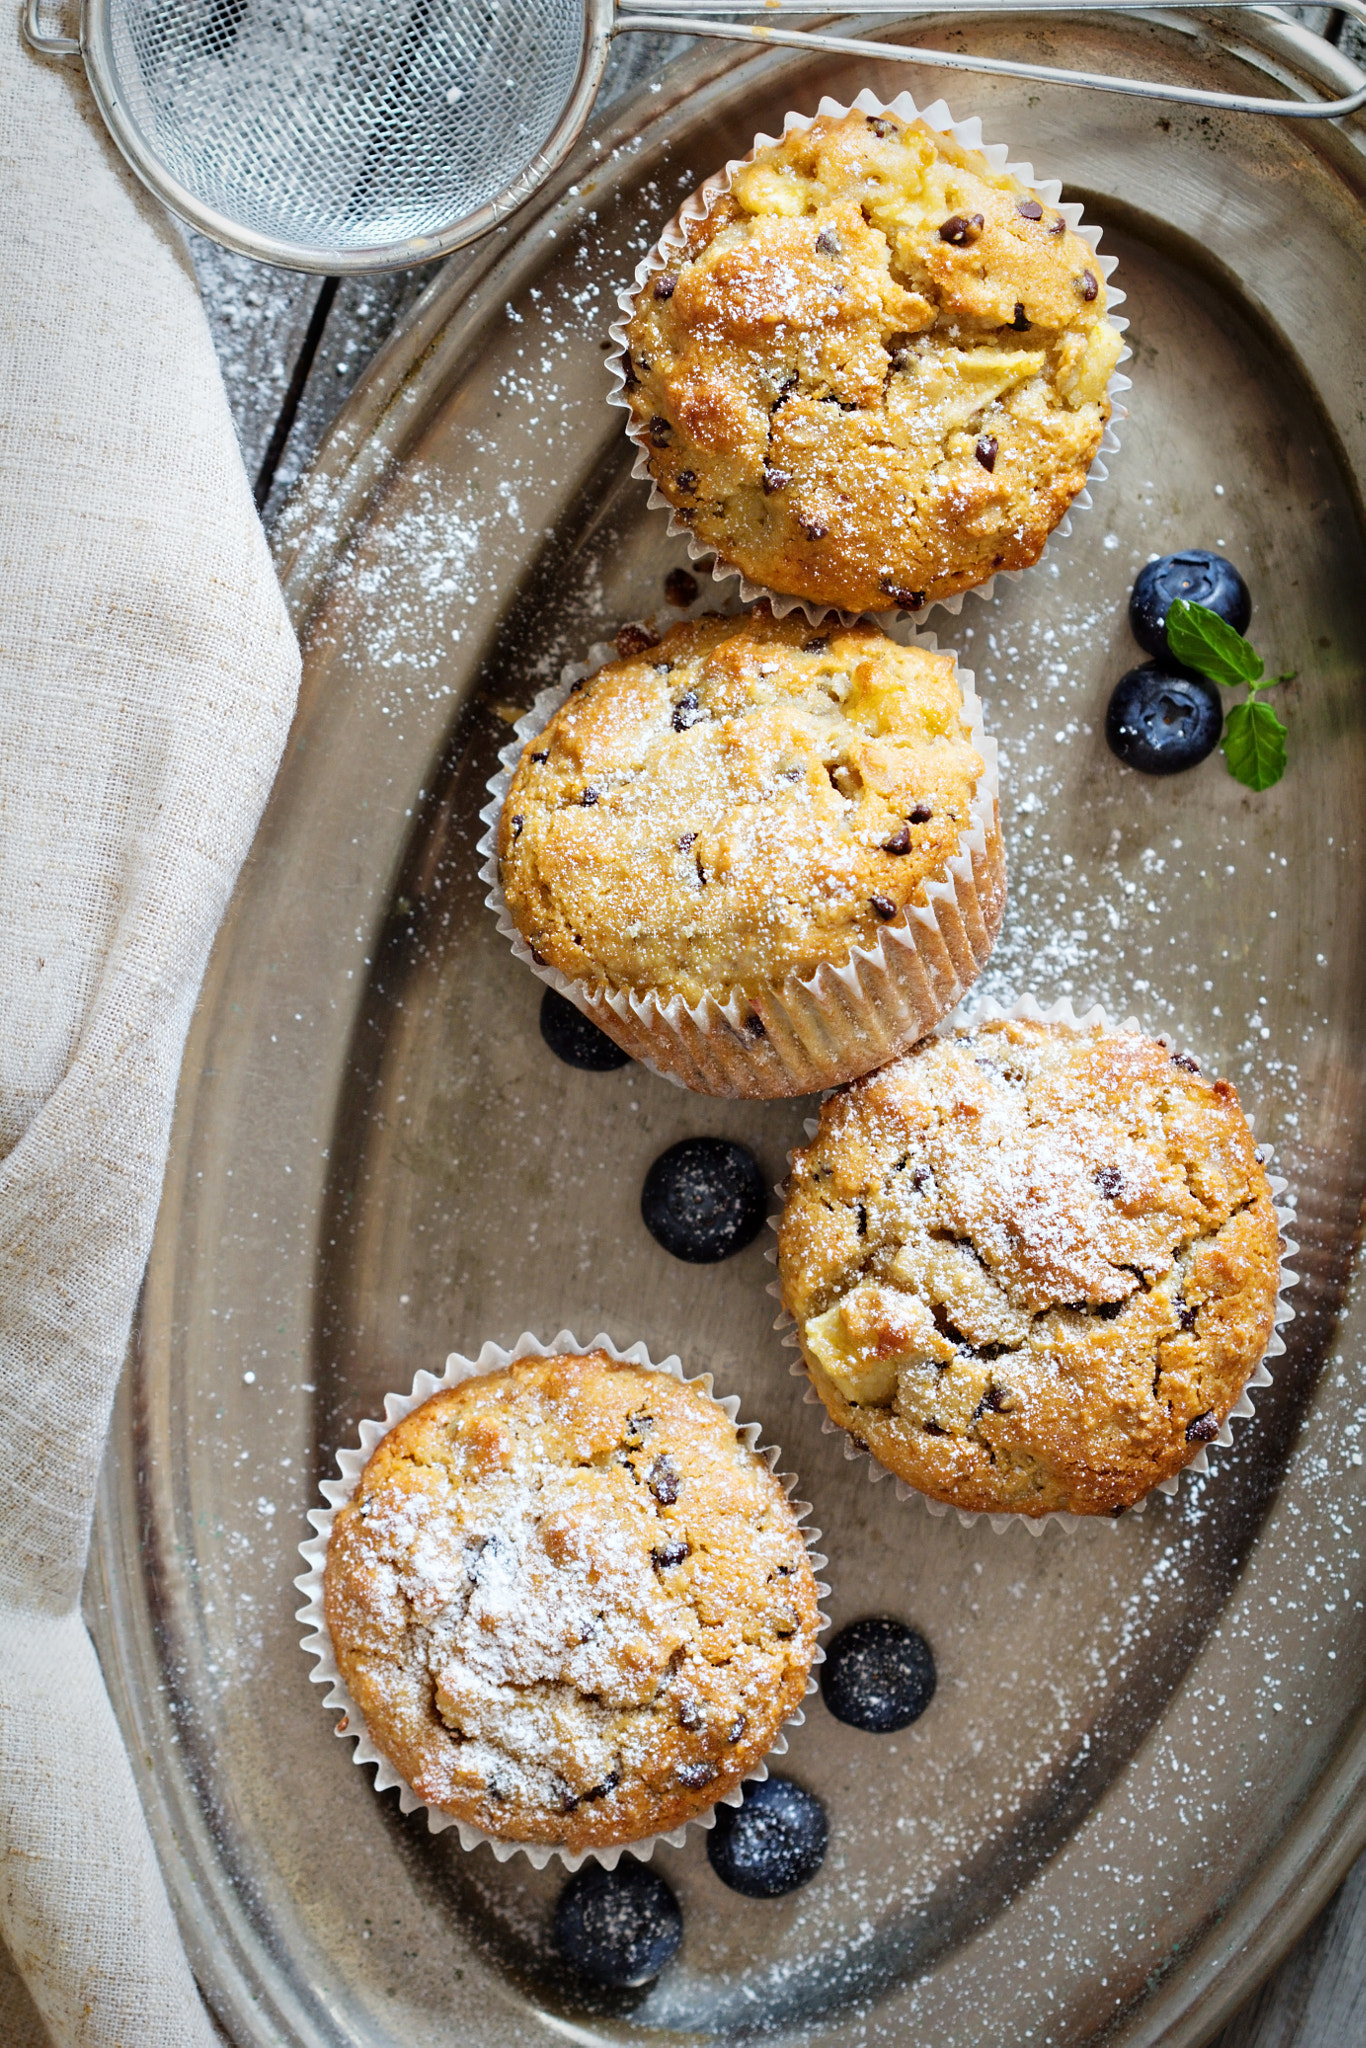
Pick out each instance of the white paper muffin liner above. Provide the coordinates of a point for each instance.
(1060, 1012)
(969, 134)
(821, 1030)
(318, 1643)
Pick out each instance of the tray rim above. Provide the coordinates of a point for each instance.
(361, 451)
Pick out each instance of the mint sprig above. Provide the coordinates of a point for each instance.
(1254, 737)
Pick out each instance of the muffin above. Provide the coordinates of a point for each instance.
(1032, 1267)
(873, 371)
(762, 858)
(573, 1606)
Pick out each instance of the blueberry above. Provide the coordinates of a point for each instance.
(773, 1843)
(1198, 576)
(704, 1199)
(618, 1926)
(879, 1675)
(1161, 722)
(576, 1039)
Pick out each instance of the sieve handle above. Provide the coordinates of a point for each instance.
(683, 17)
(46, 45)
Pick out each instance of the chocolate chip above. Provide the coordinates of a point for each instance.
(921, 815)
(863, 1219)
(635, 639)
(900, 841)
(659, 430)
(664, 1481)
(882, 127)
(932, 1428)
(901, 349)
(517, 828)
(909, 600)
(737, 1728)
(542, 757)
(694, 1776)
(1259, 1155)
(884, 907)
(1116, 1512)
(589, 798)
(1019, 324)
(985, 451)
(1056, 227)
(1028, 209)
(686, 480)
(775, 479)
(609, 1784)
(828, 243)
(1110, 1181)
(920, 1178)
(686, 841)
(813, 528)
(670, 1553)
(816, 646)
(687, 712)
(628, 375)
(666, 286)
(565, 1800)
(960, 230)
(680, 588)
(638, 1426)
(1184, 1059)
(1185, 1316)
(538, 956)
(690, 1715)
(1204, 1429)
(1087, 286)
(1000, 1400)
(574, 688)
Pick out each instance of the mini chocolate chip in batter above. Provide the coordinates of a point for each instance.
(663, 1481)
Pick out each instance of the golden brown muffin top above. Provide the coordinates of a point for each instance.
(572, 1605)
(1032, 1268)
(877, 372)
(739, 803)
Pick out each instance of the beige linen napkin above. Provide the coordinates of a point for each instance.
(147, 677)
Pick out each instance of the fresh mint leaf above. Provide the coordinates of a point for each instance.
(1202, 640)
(1254, 744)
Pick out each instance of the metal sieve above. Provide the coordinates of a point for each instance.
(345, 135)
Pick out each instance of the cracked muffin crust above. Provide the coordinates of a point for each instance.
(1032, 1268)
(876, 373)
(571, 1603)
(739, 802)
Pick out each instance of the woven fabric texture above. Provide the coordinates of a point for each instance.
(147, 677)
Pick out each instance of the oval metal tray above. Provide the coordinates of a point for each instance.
(1142, 1771)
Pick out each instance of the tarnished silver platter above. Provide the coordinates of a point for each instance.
(1142, 1772)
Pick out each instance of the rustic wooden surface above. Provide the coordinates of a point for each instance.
(291, 349)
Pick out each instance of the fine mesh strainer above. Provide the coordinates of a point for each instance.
(343, 135)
